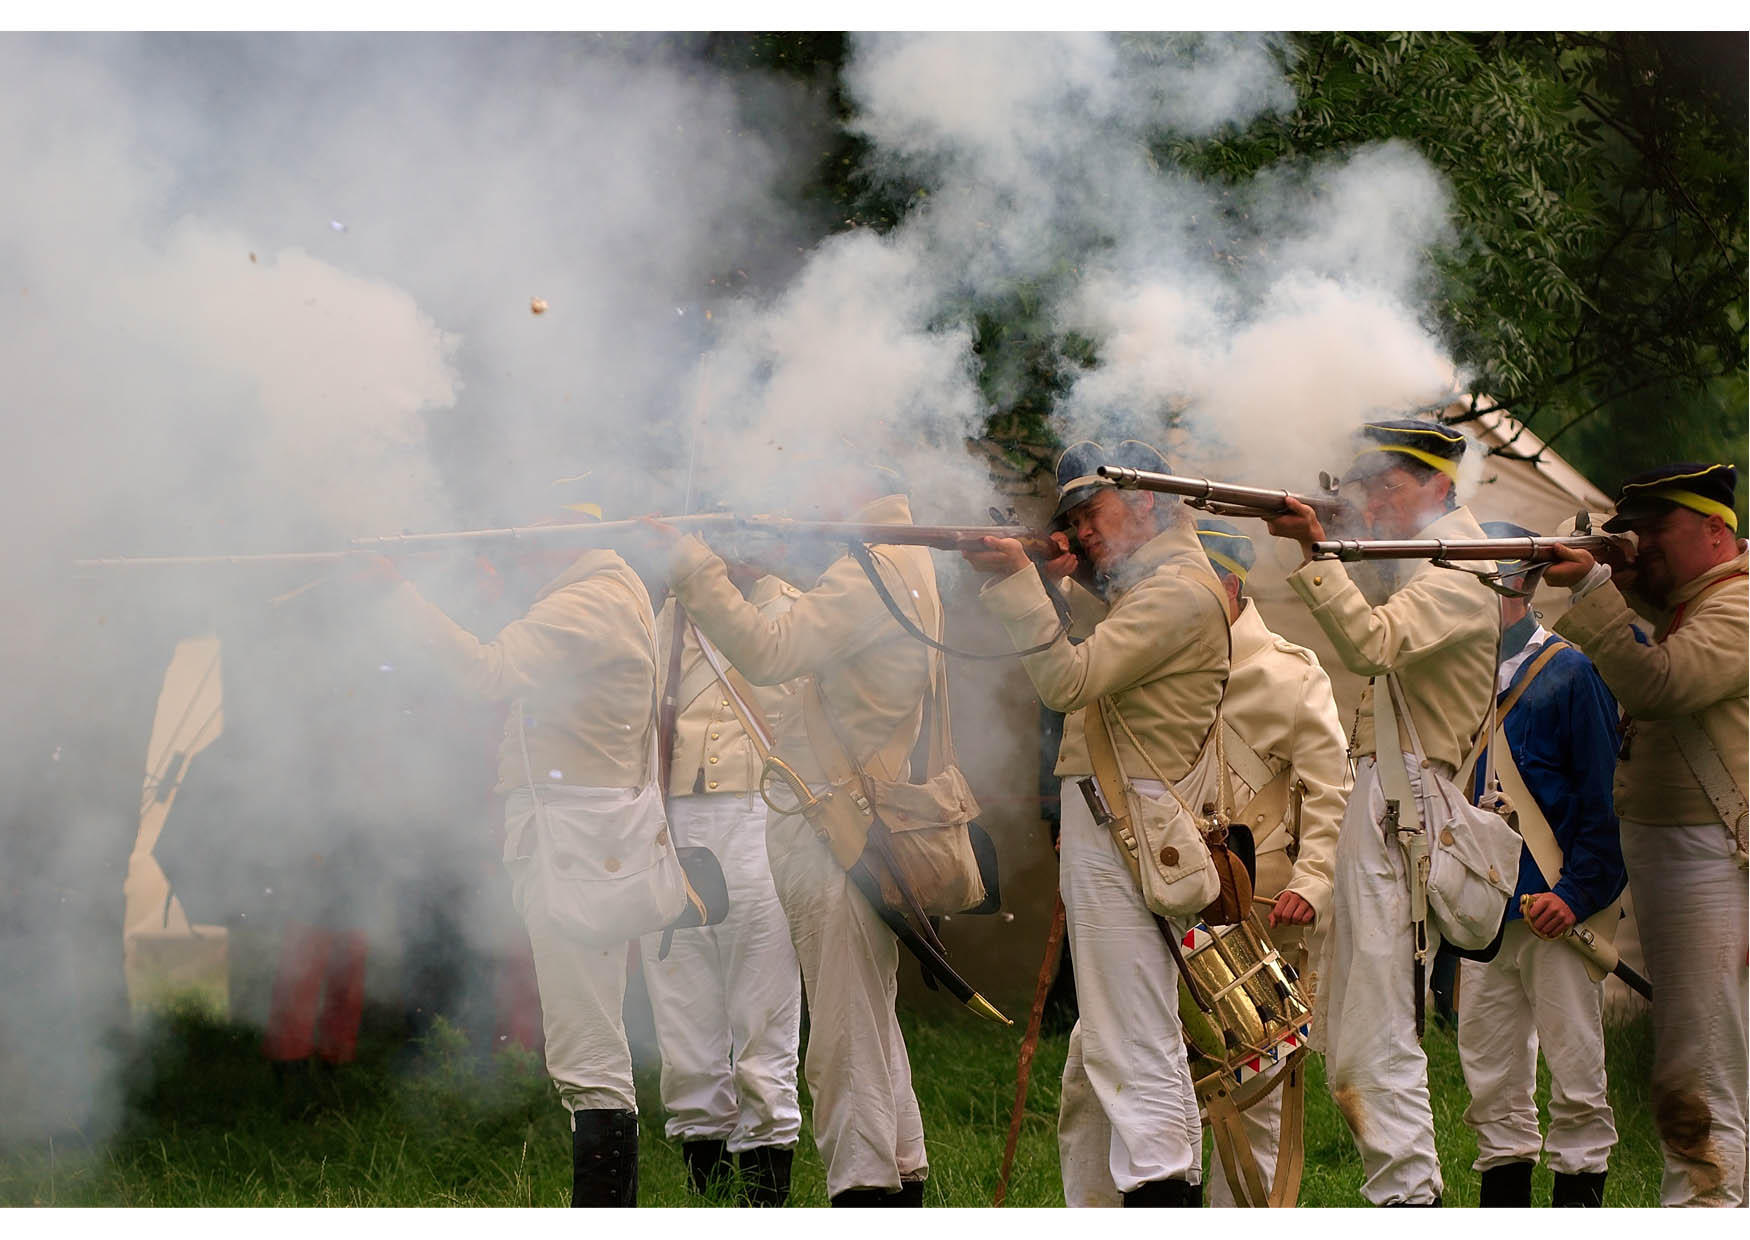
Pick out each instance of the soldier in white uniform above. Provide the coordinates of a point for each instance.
(579, 671)
(874, 677)
(1680, 790)
(727, 1000)
(1437, 631)
(1289, 765)
(1130, 1119)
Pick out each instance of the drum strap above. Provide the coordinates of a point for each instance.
(1240, 1164)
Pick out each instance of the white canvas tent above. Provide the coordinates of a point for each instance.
(162, 951)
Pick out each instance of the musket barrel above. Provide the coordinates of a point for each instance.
(581, 533)
(605, 533)
(578, 534)
(211, 561)
(1222, 498)
(941, 537)
(1536, 550)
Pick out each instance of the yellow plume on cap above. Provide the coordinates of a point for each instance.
(1449, 468)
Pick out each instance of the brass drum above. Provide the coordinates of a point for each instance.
(1258, 1015)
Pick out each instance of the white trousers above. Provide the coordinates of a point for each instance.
(1365, 1014)
(866, 1120)
(728, 1000)
(1128, 1114)
(1690, 903)
(1535, 994)
(583, 991)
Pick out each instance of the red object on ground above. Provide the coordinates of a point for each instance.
(318, 995)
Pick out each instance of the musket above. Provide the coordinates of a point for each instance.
(1036, 543)
(1532, 550)
(607, 533)
(1225, 499)
(579, 534)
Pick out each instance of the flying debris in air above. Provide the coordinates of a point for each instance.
(337, 226)
(537, 305)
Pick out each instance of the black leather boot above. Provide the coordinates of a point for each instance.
(1580, 1188)
(861, 1198)
(765, 1174)
(1508, 1186)
(604, 1158)
(707, 1165)
(1174, 1193)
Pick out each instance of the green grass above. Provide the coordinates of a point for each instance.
(207, 1122)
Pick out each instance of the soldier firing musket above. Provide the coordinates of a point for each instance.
(848, 884)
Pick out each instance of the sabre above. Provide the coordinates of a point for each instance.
(1598, 952)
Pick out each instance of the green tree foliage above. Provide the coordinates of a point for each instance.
(1599, 192)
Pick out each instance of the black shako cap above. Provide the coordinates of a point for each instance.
(1078, 467)
(1708, 489)
(1391, 442)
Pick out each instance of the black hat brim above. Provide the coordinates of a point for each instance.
(1637, 508)
(1075, 497)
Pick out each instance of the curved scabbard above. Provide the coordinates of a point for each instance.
(935, 965)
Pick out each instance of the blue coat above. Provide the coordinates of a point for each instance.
(1563, 735)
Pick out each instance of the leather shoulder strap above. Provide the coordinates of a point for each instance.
(1393, 779)
(1109, 774)
(1714, 776)
(1245, 761)
(743, 702)
(890, 760)
(1549, 650)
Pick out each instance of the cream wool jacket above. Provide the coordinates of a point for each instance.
(1160, 651)
(712, 752)
(1279, 702)
(872, 673)
(1697, 668)
(579, 668)
(1439, 632)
